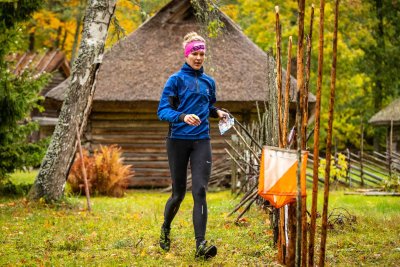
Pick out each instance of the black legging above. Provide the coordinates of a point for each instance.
(179, 152)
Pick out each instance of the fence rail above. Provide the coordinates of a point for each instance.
(363, 169)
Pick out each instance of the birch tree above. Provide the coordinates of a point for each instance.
(52, 176)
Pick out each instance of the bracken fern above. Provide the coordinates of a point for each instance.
(106, 173)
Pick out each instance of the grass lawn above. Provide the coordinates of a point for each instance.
(124, 232)
(375, 238)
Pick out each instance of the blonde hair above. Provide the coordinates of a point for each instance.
(192, 36)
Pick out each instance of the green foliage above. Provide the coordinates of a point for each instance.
(11, 13)
(10, 189)
(19, 95)
(392, 184)
(338, 170)
(18, 184)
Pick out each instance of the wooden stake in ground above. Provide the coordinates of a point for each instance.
(55, 166)
(316, 135)
(282, 240)
(307, 81)
(83, 170)
(300, 104)
(329, 140)
(390, 149)
(304, 138)
(279, 74)
(287, 90)
(362, 154)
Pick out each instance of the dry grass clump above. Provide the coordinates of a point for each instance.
(106, 173)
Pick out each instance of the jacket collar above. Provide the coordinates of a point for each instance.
(187, 69)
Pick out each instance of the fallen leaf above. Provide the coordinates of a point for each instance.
(169, 256)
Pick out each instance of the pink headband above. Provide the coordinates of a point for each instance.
(194, 46)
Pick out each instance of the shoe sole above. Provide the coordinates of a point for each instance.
(211, 252)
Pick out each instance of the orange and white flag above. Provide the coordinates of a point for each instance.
(278, 175)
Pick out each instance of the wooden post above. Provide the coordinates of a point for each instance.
(362, 154)
(348, 166)
(279, 74)
(307, 81)
(233, 177)
(299, 120)
(282, 251)
(304, 137)
(336, 156)
(390, 149)
(287, 90)
(291, 230)
(316, 135)
(83, 170)
(329, 140)
(233, 170)
(281, 240)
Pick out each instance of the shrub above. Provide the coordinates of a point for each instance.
(392, 184)
(112, 175)
(7, 188)
(106, 173)
(338, 169)
(19, 95)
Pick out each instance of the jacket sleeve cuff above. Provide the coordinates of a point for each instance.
(213, 112)
(182, 117)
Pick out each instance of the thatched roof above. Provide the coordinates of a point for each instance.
(39, 62)
(388, 114)
(137, 67)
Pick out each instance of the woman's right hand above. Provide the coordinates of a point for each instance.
(192, 119)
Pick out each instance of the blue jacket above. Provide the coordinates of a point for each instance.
(188, 91)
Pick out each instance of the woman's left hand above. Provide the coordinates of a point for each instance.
(222, 114)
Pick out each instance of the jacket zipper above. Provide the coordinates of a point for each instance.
(197, 84)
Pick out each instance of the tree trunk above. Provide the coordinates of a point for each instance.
(50, 182)
(77, 30)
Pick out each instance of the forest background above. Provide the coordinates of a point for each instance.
(368, 48)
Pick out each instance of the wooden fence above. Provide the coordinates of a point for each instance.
(363, 169)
